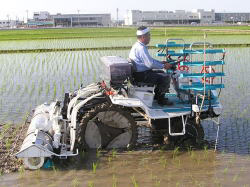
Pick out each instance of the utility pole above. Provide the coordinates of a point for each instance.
(78, 18)
(27, 11)
(8, 20)
(117, 12)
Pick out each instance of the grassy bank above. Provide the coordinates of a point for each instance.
(69, 33)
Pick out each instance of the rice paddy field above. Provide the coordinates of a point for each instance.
(30, 76)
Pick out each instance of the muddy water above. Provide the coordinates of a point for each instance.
(143, 168)
(150, 165)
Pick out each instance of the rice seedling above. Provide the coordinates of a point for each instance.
(98, 153)
(54, 169)
(114, 181)
(134, 182)
(235, 178)
(225, 170)
(54, 96)
(114, 152)
(21, 171)
(94, 166)
(47, 88)
(176, 152)
(217, 182)
(32, 89)
(109, 159)
(90, 183)
(75, 182)
(8, 143)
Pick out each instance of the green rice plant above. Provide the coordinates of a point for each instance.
(4, 129)
(54, 169)
(217, 182)
(205, 151)
(109, 159)
(17, 88)
(98, 153)
(47, 89)
(124, 163)
(75, 182)
(54, 96)
(114, 181)
(8, 143)
(114, 152)
(235, 178)
(225, 170)
(21, 171)
(63, 89)
(40, 89)
(94, 166)
(157, 182)
(175, 152)
(81, 79)
(74, 81)
(90, 183)
(134, 182)
(37, 174)
(32, 89)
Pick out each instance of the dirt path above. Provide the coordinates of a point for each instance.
(11, 139)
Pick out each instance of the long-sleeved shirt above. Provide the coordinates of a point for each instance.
(140, 55)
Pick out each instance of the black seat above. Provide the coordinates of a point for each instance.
(133, 81)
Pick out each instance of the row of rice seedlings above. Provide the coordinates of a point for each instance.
(108, 42)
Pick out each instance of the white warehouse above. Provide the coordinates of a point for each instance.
(138, 17)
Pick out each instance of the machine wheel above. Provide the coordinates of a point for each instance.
(33, 163)
(194, 132)
(106, 126)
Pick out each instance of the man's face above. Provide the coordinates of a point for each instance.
(146, 38)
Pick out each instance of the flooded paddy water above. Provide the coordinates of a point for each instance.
(28, 80)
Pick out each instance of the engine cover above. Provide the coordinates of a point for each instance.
(115, 70)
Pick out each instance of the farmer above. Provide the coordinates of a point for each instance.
(146, 67)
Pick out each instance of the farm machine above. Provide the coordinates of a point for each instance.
(106, 114)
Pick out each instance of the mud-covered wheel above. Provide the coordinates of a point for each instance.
(106, 126)
(194, 132)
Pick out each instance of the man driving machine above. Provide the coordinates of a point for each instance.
(146, 66)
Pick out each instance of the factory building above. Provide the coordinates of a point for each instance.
(81, 20)
(232, 17)
(41, 19)
(10, 23)
(158, 18)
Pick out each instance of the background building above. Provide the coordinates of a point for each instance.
(41, 19)
(9, 23)
(232, 17)
(137, 17)
(81, 20)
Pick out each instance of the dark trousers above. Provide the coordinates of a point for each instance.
(158, 78)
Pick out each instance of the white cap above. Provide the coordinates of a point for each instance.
(142, 32)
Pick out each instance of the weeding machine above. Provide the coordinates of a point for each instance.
(106, 114)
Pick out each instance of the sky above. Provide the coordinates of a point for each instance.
(13, 9)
